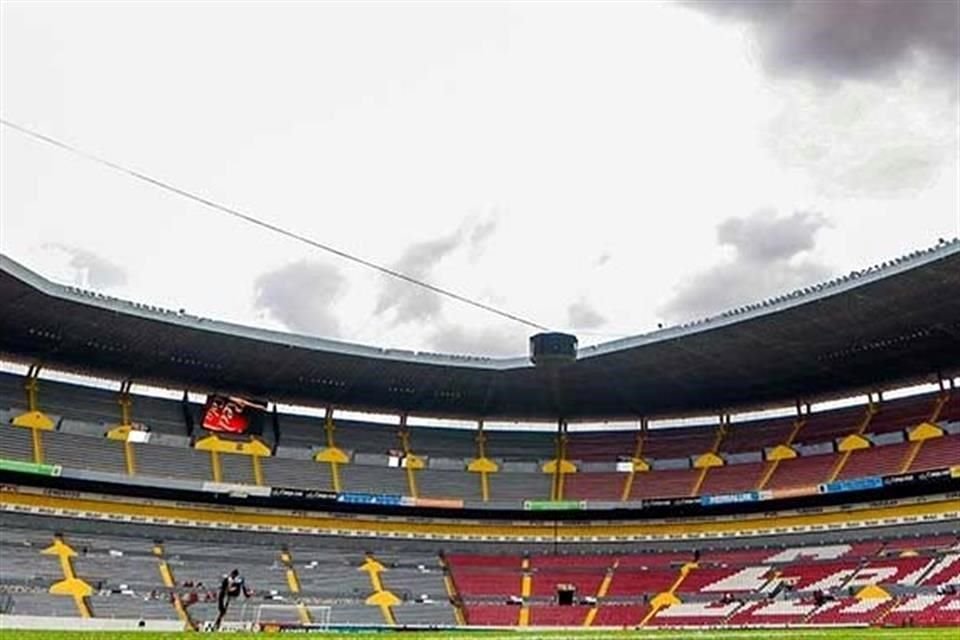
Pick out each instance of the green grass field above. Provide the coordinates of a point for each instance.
(765, 634)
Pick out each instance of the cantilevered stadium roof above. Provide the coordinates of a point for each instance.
(884, 327)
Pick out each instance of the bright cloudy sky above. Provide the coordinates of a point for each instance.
(594, 167)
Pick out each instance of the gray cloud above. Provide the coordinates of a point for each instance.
(862, 39)
(860, 137)
(410, 303)
(768, 260)
(583, 316)
(92, 270)
(301, 296)
(764, 237)
(455, 339)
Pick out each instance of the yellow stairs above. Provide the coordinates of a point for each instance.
(601, 594)
(452, 594)
(71, 585)
(293, 583)
(380, 597)
(166, 575)
(669, 597)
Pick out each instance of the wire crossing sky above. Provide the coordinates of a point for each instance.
(246, 217)
(600, 168)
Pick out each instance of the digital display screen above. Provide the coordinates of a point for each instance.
(233, 415)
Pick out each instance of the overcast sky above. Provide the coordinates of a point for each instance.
(594, 167)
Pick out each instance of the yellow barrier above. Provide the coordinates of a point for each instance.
(158, 511)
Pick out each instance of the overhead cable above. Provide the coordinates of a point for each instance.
(251, 219)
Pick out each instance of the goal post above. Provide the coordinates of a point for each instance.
(291, 615)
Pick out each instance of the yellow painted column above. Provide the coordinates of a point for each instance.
(332, 455)
(257, 470)
(557, 457)
(868, 416)
(215, 446)
(130, 459)
(637, 465)
(215, 467)
(561, 470)
(559, 466)
(526, 588)
(34, 418)
(36, 436)
(412, 462)
(637, 452)
(938, 406)
(329, 427)
(482, 465)
(722, 429)
(797, 426)
(121, 433)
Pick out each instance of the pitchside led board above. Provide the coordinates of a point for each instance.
(234, 416)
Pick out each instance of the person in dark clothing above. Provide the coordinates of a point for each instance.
(231, 587)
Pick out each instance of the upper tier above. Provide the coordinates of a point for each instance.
(877, 328)
(682, 462)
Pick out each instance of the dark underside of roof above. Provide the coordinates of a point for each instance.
(892, 331)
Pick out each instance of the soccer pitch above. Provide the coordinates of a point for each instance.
(953, 633)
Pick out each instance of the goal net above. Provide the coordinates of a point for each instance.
(267, 617)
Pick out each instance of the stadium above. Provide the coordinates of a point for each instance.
(480, 320)
(121, 511)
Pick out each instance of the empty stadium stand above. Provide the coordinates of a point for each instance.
(666, 482)
(819, 446)
(938, 453)
(126, 582)
(834, 584)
